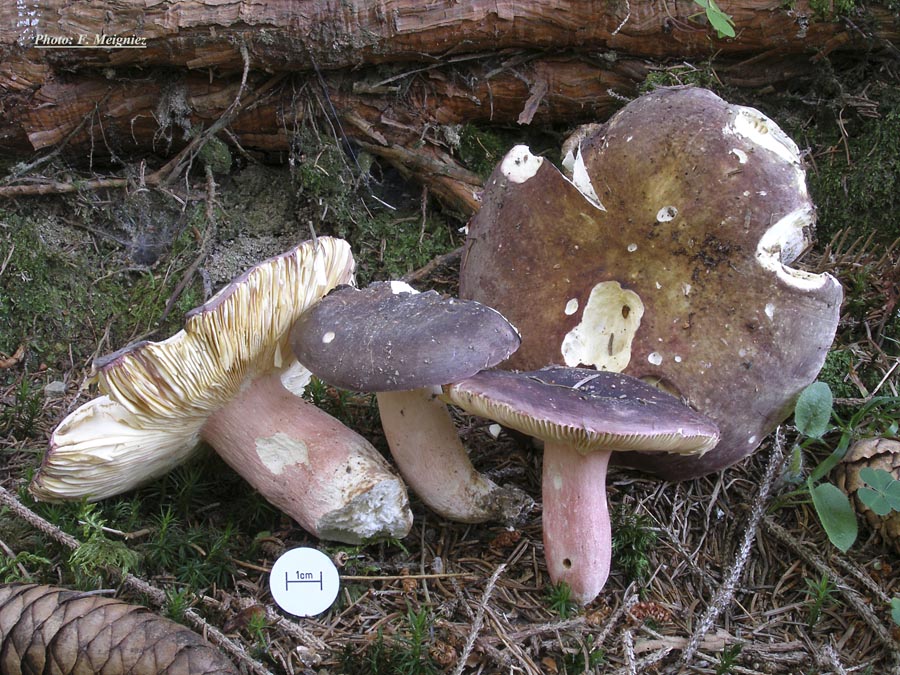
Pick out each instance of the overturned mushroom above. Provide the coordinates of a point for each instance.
(666, 256)
(229, 378)
(583, 416)
(401, 344)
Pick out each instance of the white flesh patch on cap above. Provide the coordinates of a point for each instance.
(571, 307)
(280, 451)
(519, 164)
(398, 287)
(740, 154)
(782, 243)
(602, 338)
(759, 129)
(666, 213)
(574, 164)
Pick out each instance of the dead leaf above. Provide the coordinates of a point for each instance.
(10, 361)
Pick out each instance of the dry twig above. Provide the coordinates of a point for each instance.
(725, 592)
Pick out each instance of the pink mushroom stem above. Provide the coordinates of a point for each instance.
(577, 533)
(425, 444)
(324, 475)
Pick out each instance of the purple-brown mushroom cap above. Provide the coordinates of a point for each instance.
(403, 345)
(388, 337)
(590, 409)
(664, 255)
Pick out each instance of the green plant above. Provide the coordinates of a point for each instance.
(559, 600)
(164, 547)
(481, 150)
(883, 493)
(819, 594)
(825, 8)
(633, 541)
(584, 660)
(98, 554)
(210, 561)
(718, 19)
(14, 568)
(895, 610)
(405, 654)
(257, 625)
(728, 659)
(18, 419)
(813, 416)
(178, 602)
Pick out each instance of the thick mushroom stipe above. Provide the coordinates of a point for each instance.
(706, 208)
(435, 463)
(575, 519)
(218, 380)
(310, 466)
(399, 343)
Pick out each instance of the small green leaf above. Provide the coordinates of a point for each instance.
(874, 500)
(892, 494)
(895, 610)
(878, 479)
(720, 20)
(883, 493)
(836, 514)
(812, 412)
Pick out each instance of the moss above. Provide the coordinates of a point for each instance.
(389, 248)
(847, 123)
(337, 196)
(832, 8)
(838, 365)
(216, 155)
(701, 75)
(480, 149)
(62, 290)
(259, 200)
(855, 181)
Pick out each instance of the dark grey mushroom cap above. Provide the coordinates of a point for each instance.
(592, 410)
(387, 337)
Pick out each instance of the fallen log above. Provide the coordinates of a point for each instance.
(292, 34)
(386, 72)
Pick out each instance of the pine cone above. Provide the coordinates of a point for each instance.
(51, 630)
(876, 453)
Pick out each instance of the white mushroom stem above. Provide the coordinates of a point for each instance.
(310, 466)
(577, 533)
(426, 447)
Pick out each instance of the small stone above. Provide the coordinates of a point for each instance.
(55, 389)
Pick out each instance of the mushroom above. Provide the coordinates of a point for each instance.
(401, 344)
(229, 378)
(665, 256)
(583, 416)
